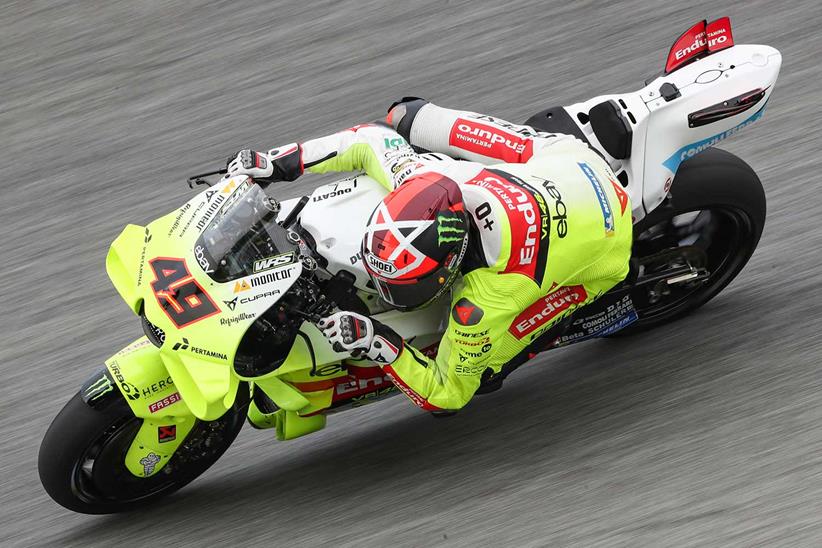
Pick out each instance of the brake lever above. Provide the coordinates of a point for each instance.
(313, 318)
(315, 312)
(200, 178)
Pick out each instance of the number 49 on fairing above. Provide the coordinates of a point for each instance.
(180, 296)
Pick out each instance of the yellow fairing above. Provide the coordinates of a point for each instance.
(145, 382)
(124, 264)
(208, 388)
(197, 354)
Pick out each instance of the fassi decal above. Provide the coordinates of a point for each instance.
(490, 141)
(180, 296)
(165, 402)
(546, 309)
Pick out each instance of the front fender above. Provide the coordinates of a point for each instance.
(159, 383)
(167, 399)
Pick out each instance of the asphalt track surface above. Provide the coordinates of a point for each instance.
(706, 432)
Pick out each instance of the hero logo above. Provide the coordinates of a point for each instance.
(379, 265)
(490, 141)
(546, 309)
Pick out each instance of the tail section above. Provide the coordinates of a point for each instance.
(710, 90)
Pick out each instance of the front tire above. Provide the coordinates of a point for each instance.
(717, 210)
(81, 460)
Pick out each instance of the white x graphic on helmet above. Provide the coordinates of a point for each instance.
(383, 221)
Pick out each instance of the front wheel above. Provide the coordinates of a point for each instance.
(82, 457)
(711, 224)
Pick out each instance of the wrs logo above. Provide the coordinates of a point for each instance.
(273, 262)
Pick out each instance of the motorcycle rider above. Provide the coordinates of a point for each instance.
(521, 226)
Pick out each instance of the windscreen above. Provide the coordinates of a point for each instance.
(244, 237)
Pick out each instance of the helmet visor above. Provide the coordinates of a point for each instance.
(410, 294)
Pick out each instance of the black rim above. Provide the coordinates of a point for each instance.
(100, 475)
(718, 239)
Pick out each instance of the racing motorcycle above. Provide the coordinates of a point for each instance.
(228, 286)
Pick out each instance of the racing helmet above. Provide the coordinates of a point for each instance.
(415, 241)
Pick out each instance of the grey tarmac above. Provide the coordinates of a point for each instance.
(703, 433)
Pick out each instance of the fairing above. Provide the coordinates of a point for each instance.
(160, 271)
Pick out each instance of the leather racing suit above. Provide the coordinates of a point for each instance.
(551, 231)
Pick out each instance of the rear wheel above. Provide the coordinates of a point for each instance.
(710, 227)
(82, 457)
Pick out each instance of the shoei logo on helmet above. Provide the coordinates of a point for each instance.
(379, 265)
(396, 241)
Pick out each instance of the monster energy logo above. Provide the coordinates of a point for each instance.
(99, 387)
(449, 229)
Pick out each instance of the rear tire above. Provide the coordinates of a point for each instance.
(81, 460)
(730, 200)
